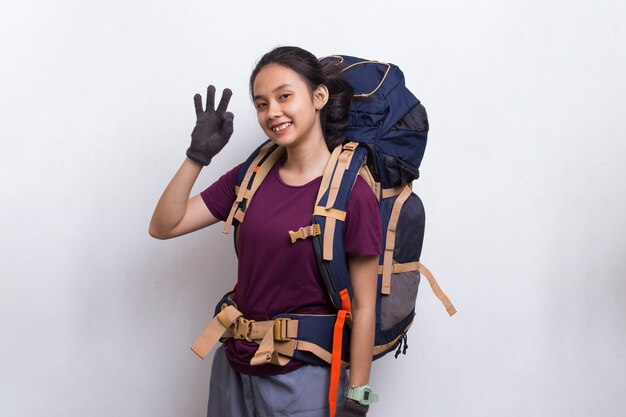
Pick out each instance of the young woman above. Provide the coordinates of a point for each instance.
(302, 106)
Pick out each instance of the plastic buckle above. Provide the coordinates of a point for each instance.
(244, 328)
(305, 232)
(279, 334)
(350, 146)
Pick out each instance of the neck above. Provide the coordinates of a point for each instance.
(308, 158)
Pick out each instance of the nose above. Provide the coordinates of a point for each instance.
(274, 110)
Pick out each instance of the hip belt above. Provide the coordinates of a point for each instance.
(279, 340)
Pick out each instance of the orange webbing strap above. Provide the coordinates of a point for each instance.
(214, 331)
(390, 241)
(417, 266)
(366, 174)
(335, 363)
(244, 185)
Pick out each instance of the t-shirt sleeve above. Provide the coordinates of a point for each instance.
(363, 234)
(220, 195)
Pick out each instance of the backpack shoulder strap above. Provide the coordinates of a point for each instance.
(250, 177)
(341, 173)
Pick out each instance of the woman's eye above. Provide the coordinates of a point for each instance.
(260, 106)
(284, 96)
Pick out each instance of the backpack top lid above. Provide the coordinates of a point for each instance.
(386, 117)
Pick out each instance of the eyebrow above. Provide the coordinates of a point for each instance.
(280, 87)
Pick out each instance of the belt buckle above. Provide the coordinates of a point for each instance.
(244, 328)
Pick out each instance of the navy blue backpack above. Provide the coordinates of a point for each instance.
(385, 144)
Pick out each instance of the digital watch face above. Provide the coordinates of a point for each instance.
(366, 395)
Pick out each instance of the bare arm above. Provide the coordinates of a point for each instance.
(363, 273)
(176, 214)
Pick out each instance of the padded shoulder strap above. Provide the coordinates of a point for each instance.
(254, 170)
(330, 212)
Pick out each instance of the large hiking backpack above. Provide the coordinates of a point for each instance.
(385, 145)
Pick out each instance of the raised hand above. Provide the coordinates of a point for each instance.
(213, 127)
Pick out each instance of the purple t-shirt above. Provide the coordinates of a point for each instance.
(274, 275)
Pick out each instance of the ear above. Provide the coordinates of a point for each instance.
(320, 96)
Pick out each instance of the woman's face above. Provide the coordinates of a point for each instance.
(286, 110)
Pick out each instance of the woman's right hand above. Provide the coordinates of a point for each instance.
(213, 127)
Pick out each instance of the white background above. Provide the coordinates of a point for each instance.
(523, 182)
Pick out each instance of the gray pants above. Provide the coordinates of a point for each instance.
(301, 393)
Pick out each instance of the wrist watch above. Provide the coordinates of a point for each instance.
(363, 394)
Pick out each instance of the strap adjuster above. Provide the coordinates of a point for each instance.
(280, 329)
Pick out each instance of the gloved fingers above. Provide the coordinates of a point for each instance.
(210, 98)
(227, 127)
(197, 101)
(226, 94)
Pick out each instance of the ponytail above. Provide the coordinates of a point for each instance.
(336, 113)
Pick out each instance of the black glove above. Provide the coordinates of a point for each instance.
(352, 408)
(213, 127)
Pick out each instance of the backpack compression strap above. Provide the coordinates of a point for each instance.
(388, 267)
(390, 240)
(417, 266)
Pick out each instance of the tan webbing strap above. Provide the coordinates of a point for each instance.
(264, 169)
(390, 192)
(329, 237)
(342, 165)
(239, 215)
(214, 331)
(334, 213)
(244, 185)
(305, 232)
(326, 178)
(266, 353)
(437, 290)
(278, 334)
(328, 173)
(366, 174)
(246, 193)
(390, 241)
(261, 172)
(417, 266)
(387, 346)
(321, 353)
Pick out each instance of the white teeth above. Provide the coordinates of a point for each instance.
(281, 127)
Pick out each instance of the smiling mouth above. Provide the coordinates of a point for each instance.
(281, 127)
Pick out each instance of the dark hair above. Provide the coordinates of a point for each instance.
(335, 115)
